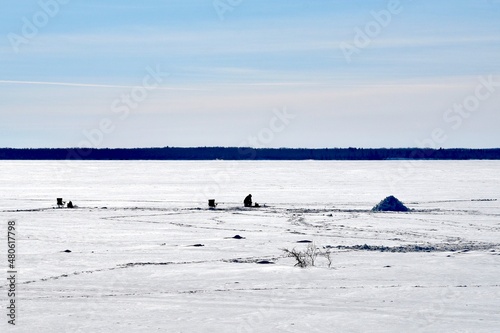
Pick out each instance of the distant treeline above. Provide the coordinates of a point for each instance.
(232, 153)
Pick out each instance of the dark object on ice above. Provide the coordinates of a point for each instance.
(256, 205)
(446, 247)
(70, 205)
(211, 203)
(265, 262)
(484, 200)
(304, 241)
(238, 237)
(248, 201)
(390, 204)
(198, 245)
(67, 251)
(60, 202)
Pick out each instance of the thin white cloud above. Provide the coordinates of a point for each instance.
(210, 42)
(88, 85)
(434, 41)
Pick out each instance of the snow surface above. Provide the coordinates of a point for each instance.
(133, 266)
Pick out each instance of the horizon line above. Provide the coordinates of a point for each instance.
(246, 147)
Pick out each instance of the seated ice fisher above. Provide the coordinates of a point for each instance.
(248, 201)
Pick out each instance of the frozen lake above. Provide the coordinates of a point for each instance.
(133, 265)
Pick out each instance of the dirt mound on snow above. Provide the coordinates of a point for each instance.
(390, 204)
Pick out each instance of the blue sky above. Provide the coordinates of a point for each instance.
(227, 71)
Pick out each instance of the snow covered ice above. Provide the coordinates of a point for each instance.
(134, 266)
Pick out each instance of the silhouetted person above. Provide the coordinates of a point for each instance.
(70, 205)
(248, 201)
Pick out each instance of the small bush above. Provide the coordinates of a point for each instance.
(299, 256)
(307, 257)
(328, 255)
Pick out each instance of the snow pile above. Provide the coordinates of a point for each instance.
(390, 204)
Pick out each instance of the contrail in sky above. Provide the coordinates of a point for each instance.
(88, 85)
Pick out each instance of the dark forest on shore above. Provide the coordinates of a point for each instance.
(234, 153)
